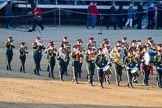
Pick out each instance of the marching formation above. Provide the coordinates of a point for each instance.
(135, 58)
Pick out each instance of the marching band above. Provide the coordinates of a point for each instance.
(134, 59)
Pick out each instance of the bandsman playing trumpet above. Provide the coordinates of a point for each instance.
(92, 44)
(81, 51)
(38, 47)
(67, 47)
(89, 58)
(76, 63)
(133, 45)
(61, 56)
(103, 42)
(51, 59)
(124, 43)
(23, 50)
(148, 41)
(158, 64)
(47, 52)
(100, 62)
(9, 52)
(139, 46)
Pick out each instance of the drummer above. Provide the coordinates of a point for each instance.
(100, 62)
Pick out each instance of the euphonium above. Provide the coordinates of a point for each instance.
(117, 60)
(114, 53)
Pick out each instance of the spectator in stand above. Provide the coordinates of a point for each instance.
(120, 16)
(151, 16)
(89, 19)
(159, 15)
(9, 14)
(140, 14)
(94, 13)
(130, 16)
(113, 16)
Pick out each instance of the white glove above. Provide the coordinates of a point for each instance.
(127, 67)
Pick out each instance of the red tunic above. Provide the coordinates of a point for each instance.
(37, 12)
(94, 10)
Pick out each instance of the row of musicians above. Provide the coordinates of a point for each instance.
(64, 59)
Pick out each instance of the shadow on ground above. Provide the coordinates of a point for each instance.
(31, 105)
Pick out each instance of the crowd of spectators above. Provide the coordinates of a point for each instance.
(129, 18)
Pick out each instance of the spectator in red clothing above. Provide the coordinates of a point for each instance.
(37, 18)
(94, 13)
(89, 19)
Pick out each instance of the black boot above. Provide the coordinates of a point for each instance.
(35, 72)
(7, 67)
(21, 69)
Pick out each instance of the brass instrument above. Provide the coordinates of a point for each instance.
(92, 56)
(52, 52)
(114, 53)
(23, 50)
(117, 60)
(62, 56)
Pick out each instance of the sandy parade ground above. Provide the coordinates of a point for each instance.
(26, 90)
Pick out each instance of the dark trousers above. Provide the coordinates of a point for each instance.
(80, 70)
(150, 23)
(9, 59)
(139, 23)
(9, 22)
(111, 23)
(37, 65)
(22, 67)
(62, 68)
(94, 20)
(35, 23)
(129, 77)
(89, 21)
(66, 65)
(75, 71)
(159, 76)
(120, 23)
(48, 68)
(118, 74)
(159, 17)
(100, 76)
(90, 75)
(51, 68)
(146, 75)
